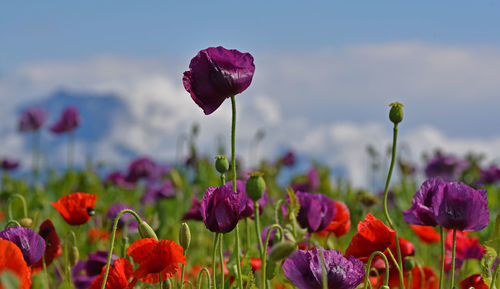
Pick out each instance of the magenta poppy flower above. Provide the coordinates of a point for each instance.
(9, 164)
(85, 272)
(217, 73)
(316, 211)
(194, 212)
(247, 207)
(288, 160)
(422, 209)
(32, 119)
(68, 122)
(155, 192)
(449, 168)
(142, 168)
(303, 269)
(490, 175)
(118, 178)
(31, 244)
(462, 208)
(221, 209)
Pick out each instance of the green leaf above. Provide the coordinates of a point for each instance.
(487, 262)
(294, 204)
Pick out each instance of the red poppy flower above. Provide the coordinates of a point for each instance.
(466, 248)
(373, 235)
(76, 208)
(118, 276)
(426, 234)
(95, 235)
(475, 281)
(155, 257)
(340, 224)
(12, 260)
(421, 278)
(52, 245)
(256, 263)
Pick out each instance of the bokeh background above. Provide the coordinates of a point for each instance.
(325, 74)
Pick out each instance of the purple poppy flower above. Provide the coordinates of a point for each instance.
(194, 212)
(422, 209)
(142, 168)
(309, 185)
(124, 219)
(155, 192)
(316, 211)
(119, 179)
(490, 175)
(448, 168)
(461, 207)
(303, 269)
(288, 160)
(32, 119)
(217, 73)
(31, 244)
(85, 272)
(9, 164)
(220, 209)
(247, 207)
(69, 121)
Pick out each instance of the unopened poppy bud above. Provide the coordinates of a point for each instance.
(146, 231)
(26, 222)
(168, 284)
(271, 270)
(409, 263)
(256, 186)
(184, 236)
(74, 255)
(282, 250)
(221, 164)
(396, 112)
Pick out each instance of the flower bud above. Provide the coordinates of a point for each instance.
(396, 112)
(184, 236)
(74, 255)
(146, 231)
(271, 270)
(26, 222)
(167, 284)
(282, 250)
(256, 186)
(409, 263)
(221, 164)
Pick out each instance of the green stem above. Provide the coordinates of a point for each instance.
(111, 247)
(200, 276)
(369, 264)
(161, 283)
(408, 282)
(222, 179)
(257, 227)
(247, 227)
(400, 262)
(214, 254)
(441, 272)
(45, 273)
(324, 278)
(12, 222)
(389, 175)
(9, 207)
(263, 255)
(221, 260)
(452, 273)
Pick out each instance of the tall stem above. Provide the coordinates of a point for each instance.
(369, 264)
(214, 254)
(324, 278)
(200, 275)
(221, 260)
(441, 272)
(259, 242)
(452, 273)
(233, 168)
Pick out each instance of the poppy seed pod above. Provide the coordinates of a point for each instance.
(221, 164)
(146, 231)
(26, 222)
(184, 236)
(409, 263)
(256, 186)
(396, 112)
(282, 251)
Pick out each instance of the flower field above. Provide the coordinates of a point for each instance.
(209, 222)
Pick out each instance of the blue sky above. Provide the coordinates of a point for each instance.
(325, 74)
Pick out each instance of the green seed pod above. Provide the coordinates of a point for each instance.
(256, 186)
(184, 236)
(26, 222)
(221, 164)
(74, 255)
(409, 263)
(146, 231)
(282, 250)
(396, 112)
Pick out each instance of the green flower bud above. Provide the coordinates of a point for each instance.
(256, 186)
(167, 284)
(282, 250)
(184, 236)
(396, 112)
(221, 164)
(26, 222)
(409, 263)
(74, 255)
(271, 270)
(146, 231)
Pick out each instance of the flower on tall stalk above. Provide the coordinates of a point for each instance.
(31, 244)
(217, 73)
(340, 224)
(221, 209)
(303, 269)
(422, 210)
(32, 119)
(52, 245)
(475, 281)
(449, 168)
(85, 272)
(316, 211)
(68, 121)
(373, 235)
(12, 261)
(119, 275)
(76, 208)
(155, 258)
